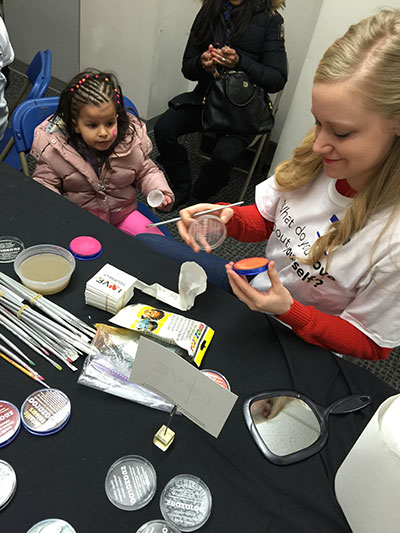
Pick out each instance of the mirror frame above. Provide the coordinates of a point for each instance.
(294, 457)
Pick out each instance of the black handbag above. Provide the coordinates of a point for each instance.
(233, 104)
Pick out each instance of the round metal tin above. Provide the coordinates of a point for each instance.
(10, 247)
(8, 483)
(157, 526)
(45, 411)
(131, 482)
(217, 377)
(186, 502)
(52, 525)
(10, 422)
(85, 248)
(251, 266)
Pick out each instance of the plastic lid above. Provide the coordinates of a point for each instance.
(155, 198)
(157, 526)
(208, 230)
(10, 422)
(8, 483)
(45, 411)
(186, 502)
(85, 248)
(10, 247)
(131, 482)
(217, 377)
(250, 266)
(52, 525)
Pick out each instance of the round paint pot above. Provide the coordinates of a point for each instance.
(186, 502)
(251, 266)
(52, 525)
(157, 526)
(45, 412)
(10, 422)
(85, 248)
(8, 483)
(208, 230)
(217, 377)
(131, 482)
(10, 247)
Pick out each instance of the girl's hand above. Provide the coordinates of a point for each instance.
(225, 56)
(277, 300)
(167, 202)
(187, 218)
(207, 61)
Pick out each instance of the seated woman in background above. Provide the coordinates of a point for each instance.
(245, 35)
(331, 213)
(96, 154)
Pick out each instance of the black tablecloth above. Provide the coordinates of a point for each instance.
(63, 475)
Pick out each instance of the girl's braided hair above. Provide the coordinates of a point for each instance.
(92, 87)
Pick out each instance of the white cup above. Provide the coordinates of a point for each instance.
(155, 198)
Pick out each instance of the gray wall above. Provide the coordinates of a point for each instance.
(39, 24)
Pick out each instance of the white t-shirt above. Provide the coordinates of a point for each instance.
(6, 57)
(368, 299)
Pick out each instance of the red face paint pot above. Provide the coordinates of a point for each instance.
(251, 266)
(217, 377)
(10, 422)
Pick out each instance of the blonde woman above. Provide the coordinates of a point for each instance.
(331, 213)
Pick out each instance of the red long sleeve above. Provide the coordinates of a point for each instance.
(248, 225)
(331, 332)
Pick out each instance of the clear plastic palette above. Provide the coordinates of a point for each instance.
(131, 482)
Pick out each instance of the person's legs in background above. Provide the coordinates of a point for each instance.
(215, 173)
(173, 157)
(181, 252)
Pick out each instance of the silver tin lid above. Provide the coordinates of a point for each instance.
(186, 502)
(8, 483)
(157, 526)
(52, 525)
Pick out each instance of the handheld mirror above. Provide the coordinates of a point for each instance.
(289, 427)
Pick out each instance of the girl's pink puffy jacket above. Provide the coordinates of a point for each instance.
(112, 195)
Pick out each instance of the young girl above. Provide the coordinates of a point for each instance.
(96, 154)
(331, 213)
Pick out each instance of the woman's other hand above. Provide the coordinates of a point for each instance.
(225, 56)
(187, 218)
(277, 300)
(207, 61)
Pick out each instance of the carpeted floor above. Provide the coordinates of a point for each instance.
(388, 370)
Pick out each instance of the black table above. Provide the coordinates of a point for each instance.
(63, 475)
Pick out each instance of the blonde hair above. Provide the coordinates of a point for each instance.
(368, 57)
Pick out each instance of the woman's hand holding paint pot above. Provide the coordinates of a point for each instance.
(187, 218)
(277, 300)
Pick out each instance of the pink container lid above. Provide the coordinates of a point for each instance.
(85, 248)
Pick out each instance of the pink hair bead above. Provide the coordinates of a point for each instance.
(87, 75)
(72, 89)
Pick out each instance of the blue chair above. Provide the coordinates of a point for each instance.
(30, 114)
(38, 74)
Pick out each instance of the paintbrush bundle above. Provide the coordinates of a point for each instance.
(59, 333)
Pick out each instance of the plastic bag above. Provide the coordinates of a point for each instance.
(110, 368)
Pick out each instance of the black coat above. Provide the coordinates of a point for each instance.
(261, 51)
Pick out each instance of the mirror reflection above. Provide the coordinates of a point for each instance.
(285, 424)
